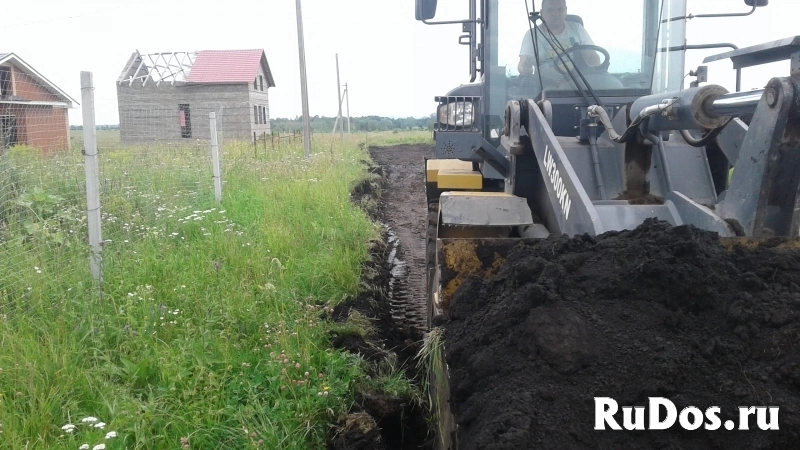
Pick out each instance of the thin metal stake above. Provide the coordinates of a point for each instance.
(303, 84)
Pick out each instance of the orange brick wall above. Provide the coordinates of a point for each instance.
(27, 88)
(42, 127)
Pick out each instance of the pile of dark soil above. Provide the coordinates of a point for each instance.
(654, 312)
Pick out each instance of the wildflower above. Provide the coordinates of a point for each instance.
(84, 447)
(100, 425)
(37, 269)
(111, 434)
(68, 428)
(99, 447)
(297, 366)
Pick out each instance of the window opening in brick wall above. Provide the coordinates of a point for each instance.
(8, 131)
(5, 82)
(260, 82)
(185, 121)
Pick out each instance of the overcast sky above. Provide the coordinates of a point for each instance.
(393, 64)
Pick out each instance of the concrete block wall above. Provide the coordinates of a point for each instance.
(259, 96)
(151, 113)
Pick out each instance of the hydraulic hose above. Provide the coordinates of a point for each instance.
(703, 141)
(633, 129)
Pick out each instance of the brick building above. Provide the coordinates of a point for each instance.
(168, 96)
(33, 111)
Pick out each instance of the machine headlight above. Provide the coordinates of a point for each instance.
(457, 114)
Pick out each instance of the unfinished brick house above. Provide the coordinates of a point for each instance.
(33, 111)
(168, 96)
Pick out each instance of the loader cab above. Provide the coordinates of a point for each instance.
(637, 50)
(631, 38)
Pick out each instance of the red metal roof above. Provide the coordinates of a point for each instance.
(228, 66)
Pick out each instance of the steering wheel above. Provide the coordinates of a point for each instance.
(603, 67)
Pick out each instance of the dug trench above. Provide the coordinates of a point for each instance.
(391, 303)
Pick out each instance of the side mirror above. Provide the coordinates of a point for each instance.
(426, 9)
(756, 3)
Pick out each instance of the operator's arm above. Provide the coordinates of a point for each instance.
(525, 65)
(590, 56)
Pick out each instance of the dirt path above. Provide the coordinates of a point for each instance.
(404, 211)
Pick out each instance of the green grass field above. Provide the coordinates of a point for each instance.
(209, 329)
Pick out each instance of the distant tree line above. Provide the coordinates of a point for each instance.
(99, 127)
(357, 124)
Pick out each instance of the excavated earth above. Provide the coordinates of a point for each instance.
(659, 311)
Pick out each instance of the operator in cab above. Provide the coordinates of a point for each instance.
(568, 34)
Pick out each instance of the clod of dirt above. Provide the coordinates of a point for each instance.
(655, 312)
(359, 432)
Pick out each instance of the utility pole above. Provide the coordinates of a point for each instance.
(347, 94)
(303, 84)
(339, 98)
